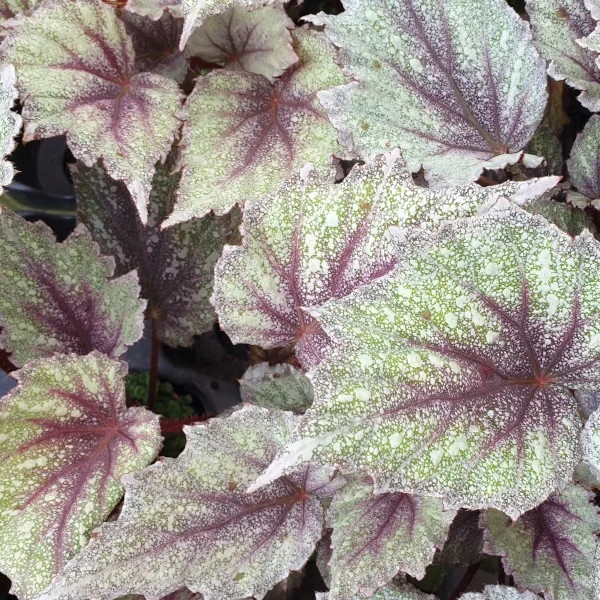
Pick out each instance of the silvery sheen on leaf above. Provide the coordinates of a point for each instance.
(456, 84)
(154, 9)
(10, 122)
(451, 376)
(66, 438)
(584, 162)
(499, 592)
(393, 591)
(12, 8)
(590, 442)
(59, 298)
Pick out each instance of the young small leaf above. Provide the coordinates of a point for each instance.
(464, 545)
(499, 592)
(154, 9)
(375, 537)
(66, 439)
(281, 386)
(313, 240)
(550, 549)
(189, 521)
(175, 265)
(57, 298)
(451, 376)
(76, 74)
(256, 41)
(244, 136)
(456, 84)
(584, 162)
(10, 122)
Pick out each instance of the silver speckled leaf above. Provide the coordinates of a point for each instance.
(550, 549)
(313, 240)
(189, 521)
(58, 298)
(244, 136)
(256, 41)
(66, 438)
(10, 122)
(457, 84)
(375, 537)
(584, 162)
(76, 75)
(279, 386)
(451, 375)
(12, 8)
(393, 591)
(154, 9)
(175, 266)
(590, 442)
(499, 592)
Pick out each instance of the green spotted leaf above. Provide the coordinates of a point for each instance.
(375, 537)
(175, 265)
(584, 162)
(280, 386)
(256, 41)
(12, 8)
(76, 74)
(66, 438)
(244, 136)
(590, 442)
(10, 122)
(313, 240)
(456, 84)
(154, 9)
(499, 592)
(57, 298)
(451, 375)
(550, 549)
(393, 591)
(189, 521)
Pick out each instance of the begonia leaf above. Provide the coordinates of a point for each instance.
(189, 521)
(244, 136)
(393, 591)
(66, 438)
(457, 85)
(451, 375)
(154, 9)
(313, 240)
(279, 386)
(590, 442)
(499, 592)
(57, 298)
(256, 41)
(76, 75)
(10, 122)
(375, 537)
(588, 402)
(175, 265)
(464, 544)
(12, 8)
(584, 162)
(557, 25)
(550, 549)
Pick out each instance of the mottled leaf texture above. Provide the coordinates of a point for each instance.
(313, 240)
(244, 136)
(550, 549)
(175, 265)
(374, 537)
(456, 84)
(10, 122)
(557, 25)
(279, 386)
(76, 74)
(12, 8)
(66, 438)
(393, 591)
(190, 522)
(156, 44)
(464, 545)
(499, 592)
(590, 442)
(154, 9)
(584, 162)
(257, 41)
(57, 298)
(450, 375)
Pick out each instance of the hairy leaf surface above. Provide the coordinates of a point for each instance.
(175, 265)
(456, 84)
(57, 298)
(256, 41)
(550, 549)
(10, 122)
(584, 162)
(374, 537)
(450, 376)
(76, 74)
(190, 522)
(499, 592)
(243, 135)
(590, 442)
(280, 386)
(313, 240)
(65, 440)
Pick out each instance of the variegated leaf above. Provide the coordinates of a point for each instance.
(12, 8)
(188, 521)
(76, 74)
(456, 84)
(10, 122)
(256, 41)
(313, 240)
(154, 9)
(584, 162)
(175, 265)
(375, 537)
(57, 298)
(590, 442)
(550, 549)
(570, 219)
(499, 592)
(393, 591)
(66, 439)
(451, 375)
(280, 386)
(244, 136)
